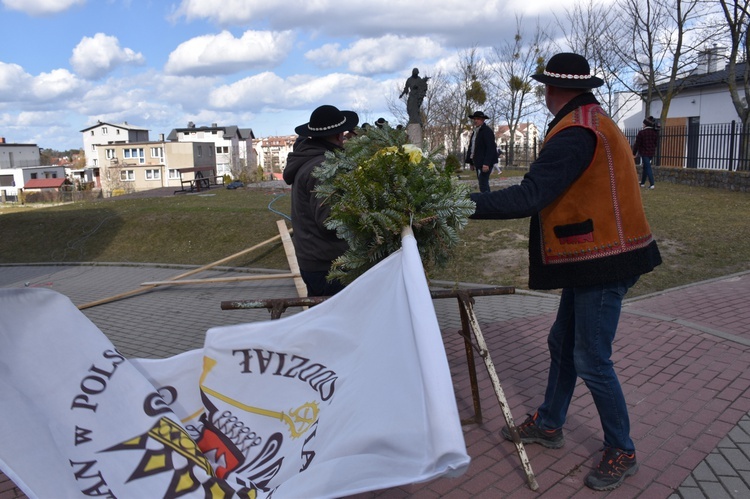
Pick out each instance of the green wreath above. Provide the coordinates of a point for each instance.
(380, 184)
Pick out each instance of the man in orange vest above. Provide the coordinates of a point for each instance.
(589, 236)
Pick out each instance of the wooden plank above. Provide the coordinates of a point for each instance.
(185, 274)
(291, 257)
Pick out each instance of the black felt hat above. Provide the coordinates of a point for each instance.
(328, 120)
(479, 114)
(568, 70)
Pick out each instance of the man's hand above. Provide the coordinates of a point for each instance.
(485, 168)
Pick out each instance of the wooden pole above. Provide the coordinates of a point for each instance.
(220, 279)
(185, 274)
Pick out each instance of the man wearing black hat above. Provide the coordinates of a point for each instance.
(645, 146)
(482, 150)
(589, 236)
(315, 245)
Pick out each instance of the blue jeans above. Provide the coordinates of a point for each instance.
(580, 344)
(648, 172)
(484, 179)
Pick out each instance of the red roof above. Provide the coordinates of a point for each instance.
(45, 183)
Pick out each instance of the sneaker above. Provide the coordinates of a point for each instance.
(530, 433)
(652, 187)
(612, 470)
(643, 185)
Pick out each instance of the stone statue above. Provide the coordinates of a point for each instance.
(416, 89)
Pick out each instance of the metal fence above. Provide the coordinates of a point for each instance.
(708, 147)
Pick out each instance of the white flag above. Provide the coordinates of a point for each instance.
(351, 395)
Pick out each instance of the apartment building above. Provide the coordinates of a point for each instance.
(232, 145)
(272, 152)
(139, 166)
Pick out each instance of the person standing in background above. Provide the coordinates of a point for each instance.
(482, 150)
(645, 146)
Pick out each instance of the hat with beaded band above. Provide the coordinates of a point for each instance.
(328, 120)
(568, 70)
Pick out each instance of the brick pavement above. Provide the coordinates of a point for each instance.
(682, 357)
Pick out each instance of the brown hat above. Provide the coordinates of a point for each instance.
(650, 121)
(568, 70)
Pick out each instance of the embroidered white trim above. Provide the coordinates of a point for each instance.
(567, 77)
(329, 127)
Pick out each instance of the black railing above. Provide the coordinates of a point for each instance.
(719, 146)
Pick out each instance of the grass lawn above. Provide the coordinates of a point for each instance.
(701, 233)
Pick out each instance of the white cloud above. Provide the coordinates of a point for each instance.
(14, 82)
(41, 7)
(18, 86)
(55, 84)
(225, 54)
(372, 56)
(268, 91)
(94, 57)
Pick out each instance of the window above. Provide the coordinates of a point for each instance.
(173, 173)
(222, 150)
(200, 151)
(33, 176)
(104, 130)
(127, 175)
(111, 153)
(117, 131)
(153, 174)
(134, 153)
(157, 152)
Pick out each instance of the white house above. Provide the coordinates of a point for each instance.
(703, 103)
(106, 133)
(14, 179)
(232, 145)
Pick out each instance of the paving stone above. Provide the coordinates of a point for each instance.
(736, 487)
(703, 473)
(719, 465)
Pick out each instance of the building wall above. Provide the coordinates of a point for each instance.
(18, 155)
(151, 171)
(107, 133)
(225, 161)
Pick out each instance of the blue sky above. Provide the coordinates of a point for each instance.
(265, 65)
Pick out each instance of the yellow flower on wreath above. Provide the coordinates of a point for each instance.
(415, 153)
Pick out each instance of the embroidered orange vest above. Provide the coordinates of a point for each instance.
(601, 214)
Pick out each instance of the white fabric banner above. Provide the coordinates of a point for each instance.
(351, 395)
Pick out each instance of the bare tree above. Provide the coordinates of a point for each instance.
(586, 29)
(665, 38)
(512, 65)
(456, 94)
(737, 17)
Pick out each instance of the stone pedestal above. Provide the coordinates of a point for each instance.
(414, 132)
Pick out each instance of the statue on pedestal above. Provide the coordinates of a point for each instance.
(416, 89)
